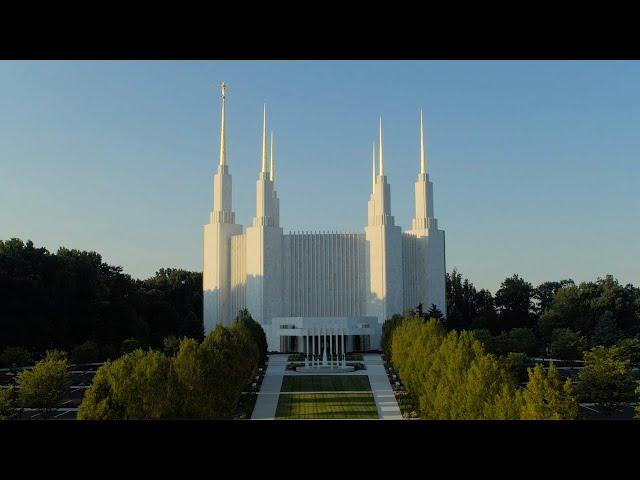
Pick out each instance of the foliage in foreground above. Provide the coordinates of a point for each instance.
(201, 381)
(546, 397)
(452, 377)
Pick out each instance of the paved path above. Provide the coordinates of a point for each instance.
(388, 408)
(267, 402)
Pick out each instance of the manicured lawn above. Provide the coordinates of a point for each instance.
(325, 383)
(307, 403)
(305, 406)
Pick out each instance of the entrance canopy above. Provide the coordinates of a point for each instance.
(289, 334)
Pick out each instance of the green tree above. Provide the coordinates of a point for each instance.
(628, 349)
(516, 364)
(605, 380)
(388, 328)
(522, 340)
(139, 385)
(171, 345)
(202, 381)
(544, 293)
(485, 315)
(46, 385)
(84, 354)
(567, 345)
(256, 331)
(60, 300)
(7, 403)
(14, 358)
(514, 302)
(606, 331)
(546, 397)
(580, 307)
(468, 308)
(485, 337)
(450, 375)
(460, 301)
(129, 345)
(434, 312)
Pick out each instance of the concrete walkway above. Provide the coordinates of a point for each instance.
(388, 408)
(267, 402)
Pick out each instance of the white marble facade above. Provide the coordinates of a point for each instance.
(291, 281)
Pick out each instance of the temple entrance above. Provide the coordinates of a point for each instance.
(288, 344)
(361, 343)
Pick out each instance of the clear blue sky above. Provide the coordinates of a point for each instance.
(536, 165)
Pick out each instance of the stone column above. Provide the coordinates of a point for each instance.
(331, 349)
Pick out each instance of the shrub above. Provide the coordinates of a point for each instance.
(15, 357)
(85, 353)
(46, 385)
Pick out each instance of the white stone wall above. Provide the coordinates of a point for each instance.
(324, 274)
(216, 273)
(376, 274)
(436, 268)
(238, 273)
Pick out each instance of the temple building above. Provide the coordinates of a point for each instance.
(308, 290)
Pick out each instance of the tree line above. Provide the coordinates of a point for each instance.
(452, 377)
(202, 380)
(64, 299)
(557, 318)
(187, 379)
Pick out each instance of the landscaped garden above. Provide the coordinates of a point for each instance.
(301, 398)
(325, 383)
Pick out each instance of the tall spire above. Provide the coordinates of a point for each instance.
(381, 155)
(264, 138)
(271, 170)
(423, 163)
(223, 147)
(373, 164)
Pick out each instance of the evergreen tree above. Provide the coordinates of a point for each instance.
(546, 397)
(434, 312)
(606, 331)
(514, 302)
